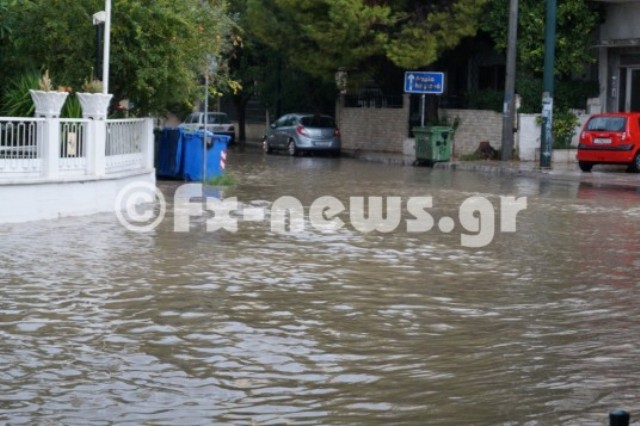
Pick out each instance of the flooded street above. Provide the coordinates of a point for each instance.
(100, 325)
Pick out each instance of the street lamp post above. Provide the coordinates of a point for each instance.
(212, 67)
(98, 22)
(107, 47)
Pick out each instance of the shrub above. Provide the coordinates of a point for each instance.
(71, 108)
(486, 99)
(16, 101)
(564, 125)
(567, 94)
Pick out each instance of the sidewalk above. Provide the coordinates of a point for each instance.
(602, 175)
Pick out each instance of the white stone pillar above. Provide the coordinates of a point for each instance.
(96, 145)
(100, 146)
(148, 145)
(51, 148)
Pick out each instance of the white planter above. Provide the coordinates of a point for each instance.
(48, 104)
(94, 105)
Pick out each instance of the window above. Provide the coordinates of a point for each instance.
(319, 121)
(217, 118)
(282, 121)
(607, 124)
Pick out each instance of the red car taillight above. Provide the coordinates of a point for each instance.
(623, 136)
(337, 133)
(301, 130)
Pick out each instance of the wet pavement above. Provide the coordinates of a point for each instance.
(99, 325)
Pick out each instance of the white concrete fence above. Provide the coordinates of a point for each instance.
(52, 167)
(50, 149)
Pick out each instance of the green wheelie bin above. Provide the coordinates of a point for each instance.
(433, 144)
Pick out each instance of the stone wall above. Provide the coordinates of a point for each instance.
(374, 129)
(475, 126)
(387, 129)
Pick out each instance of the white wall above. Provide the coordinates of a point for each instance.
(24, 202)
(528, 136)
(253, 132)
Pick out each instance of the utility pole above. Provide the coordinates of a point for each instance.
(546, 137)
(508, 112)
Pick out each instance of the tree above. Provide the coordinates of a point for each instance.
(159, 49)
(576, 19)
(246, 61)
(8, 15)
(320, 36)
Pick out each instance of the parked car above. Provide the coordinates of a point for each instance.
(217, 122)
(303, 133)
(610, 138)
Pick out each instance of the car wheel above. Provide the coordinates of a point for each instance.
(634, 167)
(266, 147)
(584, 166)
(291, 148)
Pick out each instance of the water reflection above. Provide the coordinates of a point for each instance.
(99, 325)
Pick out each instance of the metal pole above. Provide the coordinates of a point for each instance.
(99, 48)
(510, 84)
(204, 134)
(107, 47)
(422, 108)
(546, 137)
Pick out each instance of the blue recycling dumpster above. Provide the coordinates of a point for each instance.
(180, 154)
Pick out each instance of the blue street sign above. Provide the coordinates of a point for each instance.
(424, 82)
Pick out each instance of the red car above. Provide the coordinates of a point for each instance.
(610, 138)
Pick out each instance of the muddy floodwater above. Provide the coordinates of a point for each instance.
(100, 325)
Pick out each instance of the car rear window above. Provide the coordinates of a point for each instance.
(317, 121)
(607, 124)
(217, 118)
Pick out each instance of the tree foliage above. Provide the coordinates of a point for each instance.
(159, 49)
(576, 20)
(320, 36)
(163, 47)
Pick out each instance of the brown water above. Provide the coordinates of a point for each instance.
(99, 325)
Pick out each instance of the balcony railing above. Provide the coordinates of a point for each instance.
(20, 147)
(73, 146)
(53, 149)
(125, 145)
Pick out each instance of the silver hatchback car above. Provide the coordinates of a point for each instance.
(303, 133)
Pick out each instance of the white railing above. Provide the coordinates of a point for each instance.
(21, 146)
(125, 145)
(73, 146)
(53, 149)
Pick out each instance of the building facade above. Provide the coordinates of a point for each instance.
(619, 56)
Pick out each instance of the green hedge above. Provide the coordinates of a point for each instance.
(567, 95)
